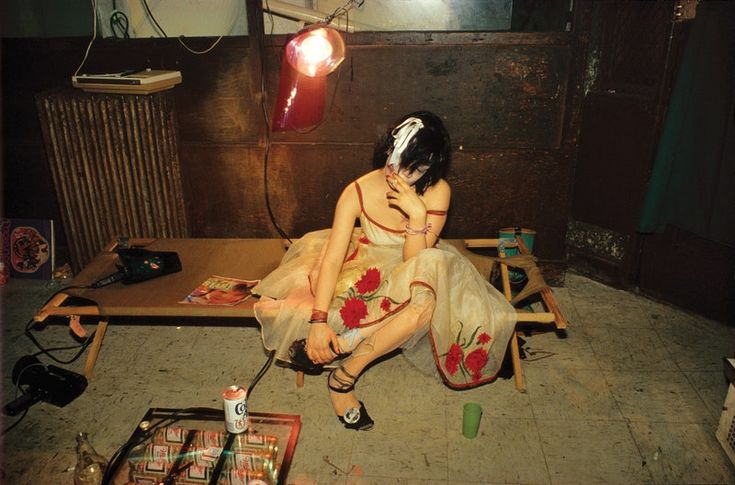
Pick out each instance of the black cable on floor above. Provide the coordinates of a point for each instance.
(17, 422)
(261, 372)
(42, 350)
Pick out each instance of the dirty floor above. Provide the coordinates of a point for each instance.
(632, 395)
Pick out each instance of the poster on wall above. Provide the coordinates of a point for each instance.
(28, 247)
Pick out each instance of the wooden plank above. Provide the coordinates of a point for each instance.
(94, 348)
(50, 306)
(514, 349)
(487, 243)
(537, 317)
(546, 294)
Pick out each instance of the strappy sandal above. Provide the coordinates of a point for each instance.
(353, 418)
(299, 357)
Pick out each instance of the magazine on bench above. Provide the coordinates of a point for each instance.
(220, 290)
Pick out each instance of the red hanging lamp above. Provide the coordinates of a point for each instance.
(308, 57)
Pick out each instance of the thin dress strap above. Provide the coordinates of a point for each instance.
(362, 209)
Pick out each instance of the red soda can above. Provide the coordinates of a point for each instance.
(236, 409)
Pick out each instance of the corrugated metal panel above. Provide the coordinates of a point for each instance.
(115, 164)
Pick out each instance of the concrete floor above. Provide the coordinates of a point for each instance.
(633, 395)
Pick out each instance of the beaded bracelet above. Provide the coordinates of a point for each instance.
(424, 230)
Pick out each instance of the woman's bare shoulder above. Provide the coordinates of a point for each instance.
(365, 182)
(371, 177)
(440, 191)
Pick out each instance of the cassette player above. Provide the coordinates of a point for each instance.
(146, 81)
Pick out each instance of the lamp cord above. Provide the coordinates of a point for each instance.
(94, 36)
(266, 119)
(344, 9)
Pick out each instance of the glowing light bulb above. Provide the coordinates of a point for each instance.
(316, 48)
(316, 51)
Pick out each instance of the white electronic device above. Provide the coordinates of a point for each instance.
(127, 82)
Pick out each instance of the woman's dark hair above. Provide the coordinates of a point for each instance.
(430, 146)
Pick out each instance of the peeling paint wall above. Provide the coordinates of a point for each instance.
(601, 242)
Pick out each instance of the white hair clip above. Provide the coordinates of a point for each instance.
(402, 134)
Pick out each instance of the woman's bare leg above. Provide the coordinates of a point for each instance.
(380, 341)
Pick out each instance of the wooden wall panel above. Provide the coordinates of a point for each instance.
(215, 100)
(306, 181)
(223, 187)
(519, 188)
(508, 100)
(489, 191)
(488, 95)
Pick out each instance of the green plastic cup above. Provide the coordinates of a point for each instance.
(471, 419)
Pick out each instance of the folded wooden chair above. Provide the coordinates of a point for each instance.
(536, 284)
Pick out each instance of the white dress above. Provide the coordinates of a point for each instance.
(469, 328)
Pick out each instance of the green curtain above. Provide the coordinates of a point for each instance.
(693, 181)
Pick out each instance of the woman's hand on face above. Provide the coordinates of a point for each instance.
(404, 197)
(320, 343)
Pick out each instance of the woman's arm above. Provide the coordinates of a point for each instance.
(320, 334)
(418, 233)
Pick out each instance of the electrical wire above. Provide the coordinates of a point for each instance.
(42, 350)
(18, 388)
(268, 133)
(181, 37)
(214, 44)
(118, 20)
(82, 347)
(343, 10)
(261, 372)
(94, 36)
(153, 19)
(16, 423)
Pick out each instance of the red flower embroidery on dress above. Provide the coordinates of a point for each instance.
(453, 359)
(475, 361)
(352, 312)
(385, 305)
(370, 281)
(483, 338)
(363, 239)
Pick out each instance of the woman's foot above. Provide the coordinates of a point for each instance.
(351, 412)
(300, 359)
(347, 343)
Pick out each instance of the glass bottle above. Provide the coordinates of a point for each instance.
(91, 465)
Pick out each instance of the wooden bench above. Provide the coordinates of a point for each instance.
(201, 258)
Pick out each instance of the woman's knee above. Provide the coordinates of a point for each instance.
(421, 312)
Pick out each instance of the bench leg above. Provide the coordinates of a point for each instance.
(299, 378)
(94, 348)
(516, 359)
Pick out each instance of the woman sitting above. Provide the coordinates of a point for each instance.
(345, 296)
